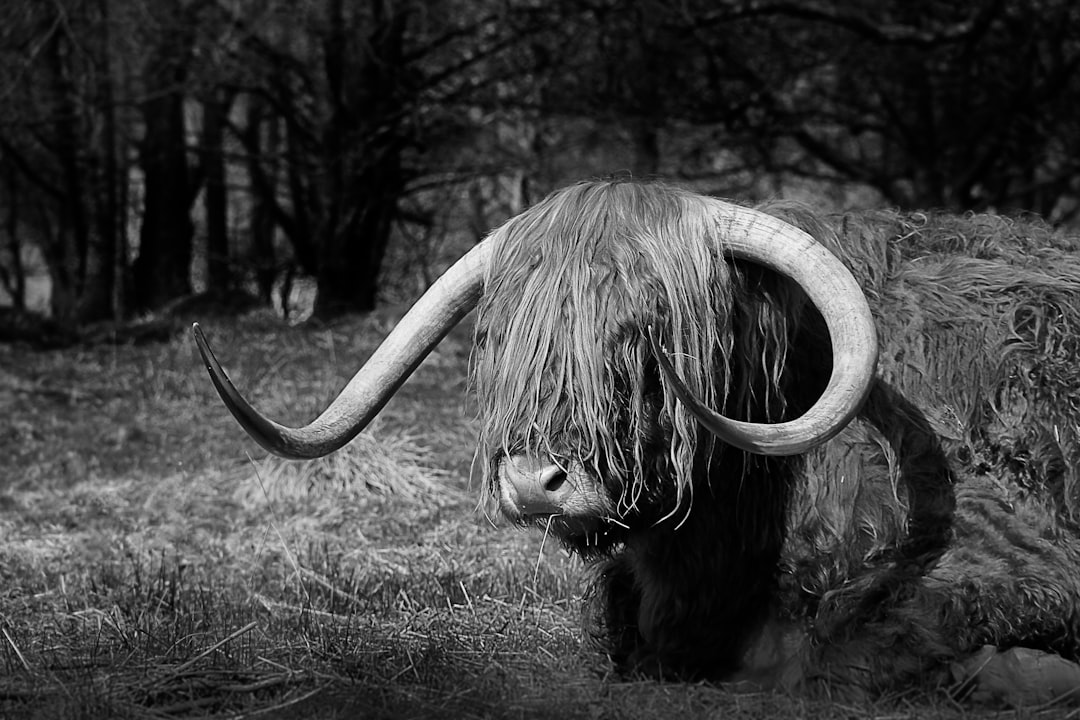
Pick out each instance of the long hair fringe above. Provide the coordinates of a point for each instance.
(563, 365)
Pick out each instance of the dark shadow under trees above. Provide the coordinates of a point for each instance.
(142, 143)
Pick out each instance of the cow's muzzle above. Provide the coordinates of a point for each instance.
(529, 487)
(535, 489)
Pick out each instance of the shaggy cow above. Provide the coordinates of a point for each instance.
(688, 393)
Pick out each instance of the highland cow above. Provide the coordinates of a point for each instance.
(689, 394)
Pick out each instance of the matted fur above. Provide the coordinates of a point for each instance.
(945, 518)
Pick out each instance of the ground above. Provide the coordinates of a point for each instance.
(155, 563)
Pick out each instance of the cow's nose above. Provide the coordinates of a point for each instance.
(535, 488)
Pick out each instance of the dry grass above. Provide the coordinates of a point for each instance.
(149, 568)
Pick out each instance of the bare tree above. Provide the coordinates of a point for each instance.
(162, 268)
(370, 95)
(930, 103)
(63, 148)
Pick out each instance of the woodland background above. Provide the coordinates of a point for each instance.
(152, 149)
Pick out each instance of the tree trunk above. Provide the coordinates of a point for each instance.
(69, 237)
(98, 299)
(219, 276)
(14, 279)
(161, 271)
(262, 168)
(361, 156)
(351, 256)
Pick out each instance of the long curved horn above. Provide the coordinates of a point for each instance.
(445, 303)
(765, 240)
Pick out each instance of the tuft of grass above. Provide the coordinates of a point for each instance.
(392, 464)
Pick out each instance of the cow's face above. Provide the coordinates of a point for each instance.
(581, 435)
(609, 336)
(577, 448)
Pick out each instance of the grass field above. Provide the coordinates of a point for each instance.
(155, 563)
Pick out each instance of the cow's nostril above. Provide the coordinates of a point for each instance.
(535, 488)
(554, 480)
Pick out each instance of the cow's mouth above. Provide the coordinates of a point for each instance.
(585, 535)
(566, 526)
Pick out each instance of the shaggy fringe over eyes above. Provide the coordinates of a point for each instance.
(563, 366)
